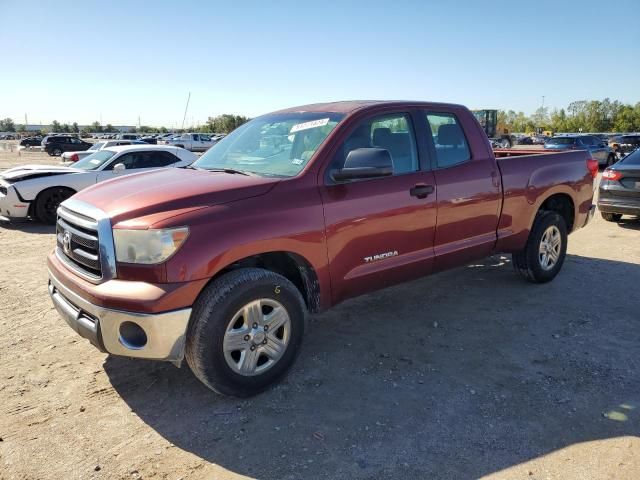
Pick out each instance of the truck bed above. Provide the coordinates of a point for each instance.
(528, 177)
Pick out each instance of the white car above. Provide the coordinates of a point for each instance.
(37, 190)
(75, 156)
(195, 142)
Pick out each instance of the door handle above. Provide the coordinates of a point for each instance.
(421, 191)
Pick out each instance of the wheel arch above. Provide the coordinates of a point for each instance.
(294, 267)
(563, 204)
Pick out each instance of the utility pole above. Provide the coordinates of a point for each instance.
(185, 111)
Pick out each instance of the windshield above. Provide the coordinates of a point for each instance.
(561, 141)
(95, 160)
(96, 146)
(276, 144)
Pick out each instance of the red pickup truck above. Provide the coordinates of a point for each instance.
(295, 211)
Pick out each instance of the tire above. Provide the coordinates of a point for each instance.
(48, 201)
(611, 159)
(50, 153)
(218, 317)
(57, 152)
(611, 217)
(529, 262)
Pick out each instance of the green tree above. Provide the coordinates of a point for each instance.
(95, 127)
(109, 128)
(56, 127)
(75, 128)
(225, 123)
(7, 125)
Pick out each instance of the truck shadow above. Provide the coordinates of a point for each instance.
(458, 375)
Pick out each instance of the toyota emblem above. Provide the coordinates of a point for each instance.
(66, 242)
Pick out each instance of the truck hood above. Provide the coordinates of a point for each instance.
(33, 171)
(169, 190)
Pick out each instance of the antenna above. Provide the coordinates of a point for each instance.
(185, 111)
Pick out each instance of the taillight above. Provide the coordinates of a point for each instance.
(592, 166)
(611, 175)
(74, 157)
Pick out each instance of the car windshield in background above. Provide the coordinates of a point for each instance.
(276, 144)
(561, 141)
(632, 140)
(95, 160)
(631, 159)
(96, 146)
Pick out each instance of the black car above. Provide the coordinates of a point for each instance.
(150, 140)
(620, 189)
(56, 144)
(624, 144)
(525, 141)
(31, 142)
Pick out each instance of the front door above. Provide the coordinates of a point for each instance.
(380, 231)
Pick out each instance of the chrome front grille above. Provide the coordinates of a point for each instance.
(78, 243)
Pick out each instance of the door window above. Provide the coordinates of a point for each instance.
(392, 132)
(449, 140)
(158, 159)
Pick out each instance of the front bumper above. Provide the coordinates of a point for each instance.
(110, 330)
(11, 205)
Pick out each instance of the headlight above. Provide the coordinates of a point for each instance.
(148, 246)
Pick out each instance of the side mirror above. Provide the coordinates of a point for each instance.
(363, 163)
(118, 168)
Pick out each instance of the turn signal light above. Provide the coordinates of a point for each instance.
(592, 166)
(611, 175)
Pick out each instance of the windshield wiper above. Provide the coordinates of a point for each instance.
(232, 171)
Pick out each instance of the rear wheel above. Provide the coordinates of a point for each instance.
(543, 256)
(611, 217)
(57, 152)
(245, 331)
(48, 201)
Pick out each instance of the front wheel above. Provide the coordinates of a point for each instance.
(245, 331)
(543, 256)
(48, 201)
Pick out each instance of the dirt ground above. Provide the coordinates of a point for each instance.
(471, 373)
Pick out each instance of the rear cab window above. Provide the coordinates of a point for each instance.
(451, 146)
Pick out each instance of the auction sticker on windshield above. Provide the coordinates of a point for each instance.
(312, 124)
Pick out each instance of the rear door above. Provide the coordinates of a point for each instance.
(380, 231)
(75, 145)
(469, 192)
(595, 148)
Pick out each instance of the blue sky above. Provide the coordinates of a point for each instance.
(79, 61)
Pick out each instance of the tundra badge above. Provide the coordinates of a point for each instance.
(380, 256)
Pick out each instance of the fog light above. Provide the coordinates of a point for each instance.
(132, 335)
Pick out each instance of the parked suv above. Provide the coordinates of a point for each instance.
(598, 150)
(55, 145)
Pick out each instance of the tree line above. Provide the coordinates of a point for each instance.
(592, 116)
(220, 124)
